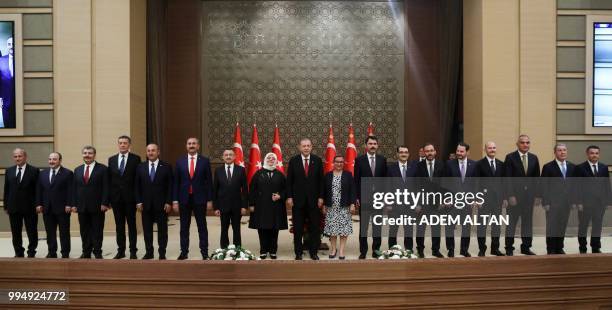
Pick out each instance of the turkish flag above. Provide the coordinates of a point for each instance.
(276, 149)
(370, 133)
(330, 152)
(351, 151)
(239, 160)
(254, 155)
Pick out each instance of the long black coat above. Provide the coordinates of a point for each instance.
(268, 214)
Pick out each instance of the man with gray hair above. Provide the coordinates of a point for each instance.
(20, 202)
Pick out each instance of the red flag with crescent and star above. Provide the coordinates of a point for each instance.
(254, 155)
(370, 133)
(237, 147)
(276, 149)
(351, 151)
(330, 152)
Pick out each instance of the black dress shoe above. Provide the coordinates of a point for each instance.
(465, 254)
(162, 256)
(341, 257)
(18, 255)
(421, 254)
(437, 254)
(497, 253)
(376, 254)
(314, 256)
(85, 256)
(182, 256)
(133, 256)
(98, 256)
(205, 257)
(527, 252)
(298, 257)
(595, 251)
(148, 256)
(119, 255)
(509, 253)
(362, 256)
(450, 254)
(263, 256)
(51, 255)
(482, 253)
(31, 255)
(273, 256)
(561, 252)
(65, 256)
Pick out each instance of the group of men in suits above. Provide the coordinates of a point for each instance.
(127, 185)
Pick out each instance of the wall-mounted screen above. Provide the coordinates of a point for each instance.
(7, 74)
(602, 74)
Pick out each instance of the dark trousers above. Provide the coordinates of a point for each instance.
(92, 231)
(300, 213)
(52, 222)
(123, 213)
(268, 240)
(199, 212)
(161, 218)
(523, 211)
(408, 233)
(449, 230)
(593, 214)
(364, 223)
(31, 221)
(231, 217)
(556, 224)
(492, 209)
(435, 230)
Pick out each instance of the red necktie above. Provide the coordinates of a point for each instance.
(86, 175)
(191, 172)
(306, 166)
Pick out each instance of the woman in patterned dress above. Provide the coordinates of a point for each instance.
(339, 195)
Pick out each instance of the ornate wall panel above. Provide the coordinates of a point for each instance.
(298, 62)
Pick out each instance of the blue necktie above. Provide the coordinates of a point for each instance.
(152, 172)
(122, 164)
(563, 170)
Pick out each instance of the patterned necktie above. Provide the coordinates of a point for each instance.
(524, 160)
(86, 175)
(19, 174)
(152, 172)
(122, 164)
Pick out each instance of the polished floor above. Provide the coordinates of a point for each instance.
(251, 242)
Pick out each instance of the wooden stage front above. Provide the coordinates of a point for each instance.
(561, 282)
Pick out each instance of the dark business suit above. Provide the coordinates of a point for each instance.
(453, 172)
(54, 195)
(429, 184)
(394, 171)
(121, 187)
(557, 192)
(7, 92)
(305, 192)
(594, 195)
(490, 179)
(230, 197)
(20, 204)
(363, 170)
(525, 190)
(88, 198)
(192, 194)
(153, 191)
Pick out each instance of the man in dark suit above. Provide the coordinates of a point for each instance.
(121, 174)
(230, 191)
(20, 202)
(369, 165)
(7, 86)
(490, 170)
(557, 189)
(193, 193)
(53, 199)
(460, 172)
(521, 193)
(305, 181)
(429, 171)
(153, 194)
(90, 201)
(593, 198)
(403, 170)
